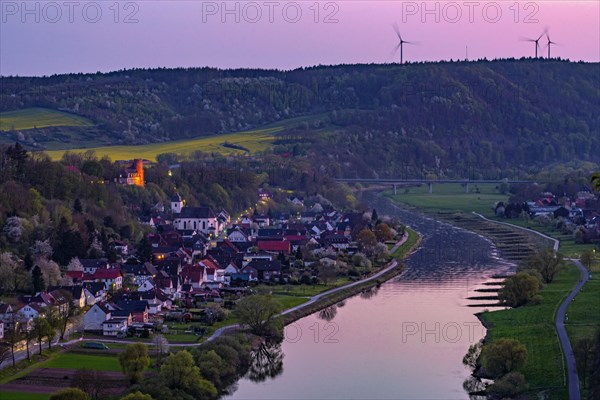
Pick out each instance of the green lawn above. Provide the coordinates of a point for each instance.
(76, 361)
(30, 118)
(23, 396)
(534, 327)
(451, 197)
(411, 241)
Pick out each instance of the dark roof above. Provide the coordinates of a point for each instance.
(94, 262)
(265, 265)
(94, 287)
(176, 198)
(133, 305)
(197, 212)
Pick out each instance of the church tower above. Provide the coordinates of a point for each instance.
(176, 204)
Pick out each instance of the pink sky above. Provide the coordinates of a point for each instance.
(50, 37)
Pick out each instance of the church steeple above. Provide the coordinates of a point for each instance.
(176, 204)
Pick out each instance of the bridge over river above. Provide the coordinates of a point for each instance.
(403, 182)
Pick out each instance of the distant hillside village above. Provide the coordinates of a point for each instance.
(578, 216)
(197, 254)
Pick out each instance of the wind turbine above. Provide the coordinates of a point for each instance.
(550, 42)
(536, 41)
(401, 44)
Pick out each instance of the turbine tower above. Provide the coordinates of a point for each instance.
(536, 41)
(549, 43)
(401, 44)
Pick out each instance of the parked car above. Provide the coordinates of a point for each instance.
(95, 345)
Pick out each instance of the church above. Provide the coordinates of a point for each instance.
(201, 219)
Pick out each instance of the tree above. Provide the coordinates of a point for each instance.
(366, 240)
(134, 361)
(91, 382)
(75, 265)
(519, 289)
(12, 336)
(66, 314)
(584, 357)
(77, 207)
(137, 396)
(374, 216)
(40, 330)
(144, 250)
(381, 253)
(383, 232)
(503, 356)
(587, 258)
(162, 347)
(508, 386)
(547, 262)
(69, 394)
(596, 181)
(53, 316)
(37, 280)
(258, 312)
(4, 353)
(470, 359)
(327, 273)
(180, 372)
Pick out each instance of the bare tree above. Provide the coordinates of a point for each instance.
(162, 347)
(13, 335)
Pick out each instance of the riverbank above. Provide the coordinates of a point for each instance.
(546, 371)
(331, 297)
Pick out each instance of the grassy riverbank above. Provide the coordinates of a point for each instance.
(534, 327)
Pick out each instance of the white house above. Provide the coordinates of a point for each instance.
(114, 326)
(1, 330)
(147, 285)
(237, 236)
(202, 219)
(29, 311)
(95, 317)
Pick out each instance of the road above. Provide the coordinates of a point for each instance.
(33, 349)
(573, 378)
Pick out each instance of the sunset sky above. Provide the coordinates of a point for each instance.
(56, 37)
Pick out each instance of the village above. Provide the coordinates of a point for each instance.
(197, 262)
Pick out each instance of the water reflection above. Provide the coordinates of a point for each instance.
(328, 314)
(403, 340)
(267, 362)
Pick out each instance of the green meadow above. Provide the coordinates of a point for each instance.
(31, 118)
(451, 197)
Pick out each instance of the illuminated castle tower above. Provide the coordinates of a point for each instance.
(134, 175)
(139, 169)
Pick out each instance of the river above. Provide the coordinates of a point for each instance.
(403, 340)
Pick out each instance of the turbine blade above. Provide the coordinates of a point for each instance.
(413, 43)
(395, 26)
(393, 52)
(524, 39)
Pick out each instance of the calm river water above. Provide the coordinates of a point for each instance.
(403, 340)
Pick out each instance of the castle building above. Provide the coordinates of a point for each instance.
(134, 175)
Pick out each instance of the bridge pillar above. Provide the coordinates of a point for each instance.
(467, 188)
(395, 189)
(430, 187)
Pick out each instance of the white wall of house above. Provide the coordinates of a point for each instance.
(93, 319)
